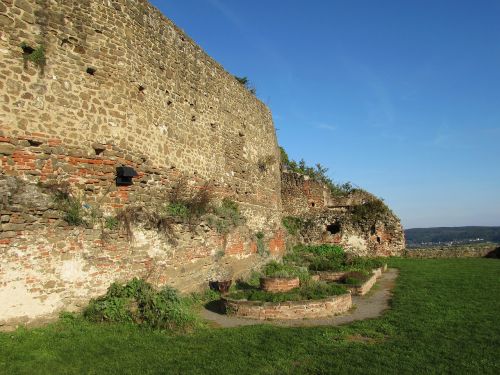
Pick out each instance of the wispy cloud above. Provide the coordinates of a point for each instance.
(324, 126)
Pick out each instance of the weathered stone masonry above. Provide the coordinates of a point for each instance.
(122, 85)
(330, 218)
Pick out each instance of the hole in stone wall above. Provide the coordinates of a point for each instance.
(379, 239)
(98, 148)
(169, 102)
(333, 228)
(141, 88)
(372, 230)
(90, 70)
(27, 50)
(313, 204)
(34, 143)
(193, 118)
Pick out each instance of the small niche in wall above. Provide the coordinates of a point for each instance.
(34, 142)
(27, 50)
(124, 176)
(379, 240)
(313, 204)
(333, 228)
(91, 70)
(99, 151)
(141, 88)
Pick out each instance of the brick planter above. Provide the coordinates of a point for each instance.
(380, 270)
(289, 310)
(279, 284)
(330, 275)
(377, 272)
(363, 288)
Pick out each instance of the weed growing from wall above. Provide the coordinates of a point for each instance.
(246, 83)
(34, 55)
(293, 224)
(261, 246)
(265, 162)
(368, 213)
(111, 223)
(225, 216)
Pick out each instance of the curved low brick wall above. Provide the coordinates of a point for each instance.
(330, 275)
(289, 310)
(279, 284)
(365, 287)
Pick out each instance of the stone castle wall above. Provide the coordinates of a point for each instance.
(121, 85)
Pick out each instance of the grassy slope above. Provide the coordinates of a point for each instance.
(444, 319)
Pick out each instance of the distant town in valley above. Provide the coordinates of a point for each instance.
(450, 236)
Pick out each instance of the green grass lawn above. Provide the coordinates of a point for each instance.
(444, 319)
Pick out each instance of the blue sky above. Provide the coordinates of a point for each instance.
(401, 98)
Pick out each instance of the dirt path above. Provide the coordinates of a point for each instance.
(369, 306)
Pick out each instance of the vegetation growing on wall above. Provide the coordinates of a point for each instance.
(34, 55)
(225, 216)
(261, 246)
(293, 224)
(369, 212)
(318, 173)
(246, 83)
(265, 162)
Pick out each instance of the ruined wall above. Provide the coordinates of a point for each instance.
(121, 85)
(359, 221)
(455, 251)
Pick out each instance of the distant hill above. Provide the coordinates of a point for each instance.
(451, 235)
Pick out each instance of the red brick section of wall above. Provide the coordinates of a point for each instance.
(48, 265)
(290, 310)
(279, 284)
(277, 243)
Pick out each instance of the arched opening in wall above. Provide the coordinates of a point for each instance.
(333, 228)
(373, 230)
(141, 88)
(91, 71)
(313, 204)
(379, 240)
(99, 150)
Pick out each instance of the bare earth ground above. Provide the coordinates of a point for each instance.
(369, 306)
